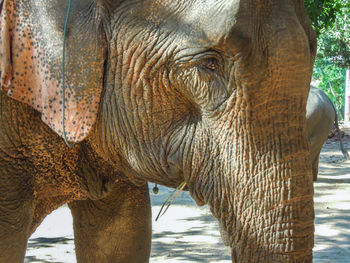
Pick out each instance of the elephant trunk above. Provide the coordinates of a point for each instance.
(271, 217)
(262, 191)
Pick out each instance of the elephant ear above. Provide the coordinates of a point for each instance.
(31, 48)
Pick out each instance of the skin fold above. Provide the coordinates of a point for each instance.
(212, 93)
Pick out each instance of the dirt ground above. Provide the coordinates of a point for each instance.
(187, 233)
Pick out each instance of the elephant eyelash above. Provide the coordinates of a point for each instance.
(210, 64)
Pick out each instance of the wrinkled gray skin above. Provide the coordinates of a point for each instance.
(208, 92)
(320, 118)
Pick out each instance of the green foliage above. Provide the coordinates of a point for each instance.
(331, 79)
(331, 21)
(322, 13)
(334, 43)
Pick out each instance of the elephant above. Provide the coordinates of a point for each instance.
(321, 116)
(99, 97)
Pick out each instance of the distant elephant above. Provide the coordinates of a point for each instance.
(321, 116)
(211, 93)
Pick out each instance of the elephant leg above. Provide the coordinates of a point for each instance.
(16, 214)
(315, 167)
(116, 228)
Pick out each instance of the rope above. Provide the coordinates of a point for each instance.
(64, 77)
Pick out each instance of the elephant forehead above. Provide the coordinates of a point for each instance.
(196, 22)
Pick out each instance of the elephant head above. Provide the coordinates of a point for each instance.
(208, 92)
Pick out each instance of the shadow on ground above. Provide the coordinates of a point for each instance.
(198, 242)
(332, 207)
(333, 245)
(41, 242)
(50, 250)
(33, 259)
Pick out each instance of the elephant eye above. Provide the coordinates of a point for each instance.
(210, 64)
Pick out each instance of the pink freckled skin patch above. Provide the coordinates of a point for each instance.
(31, 71)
